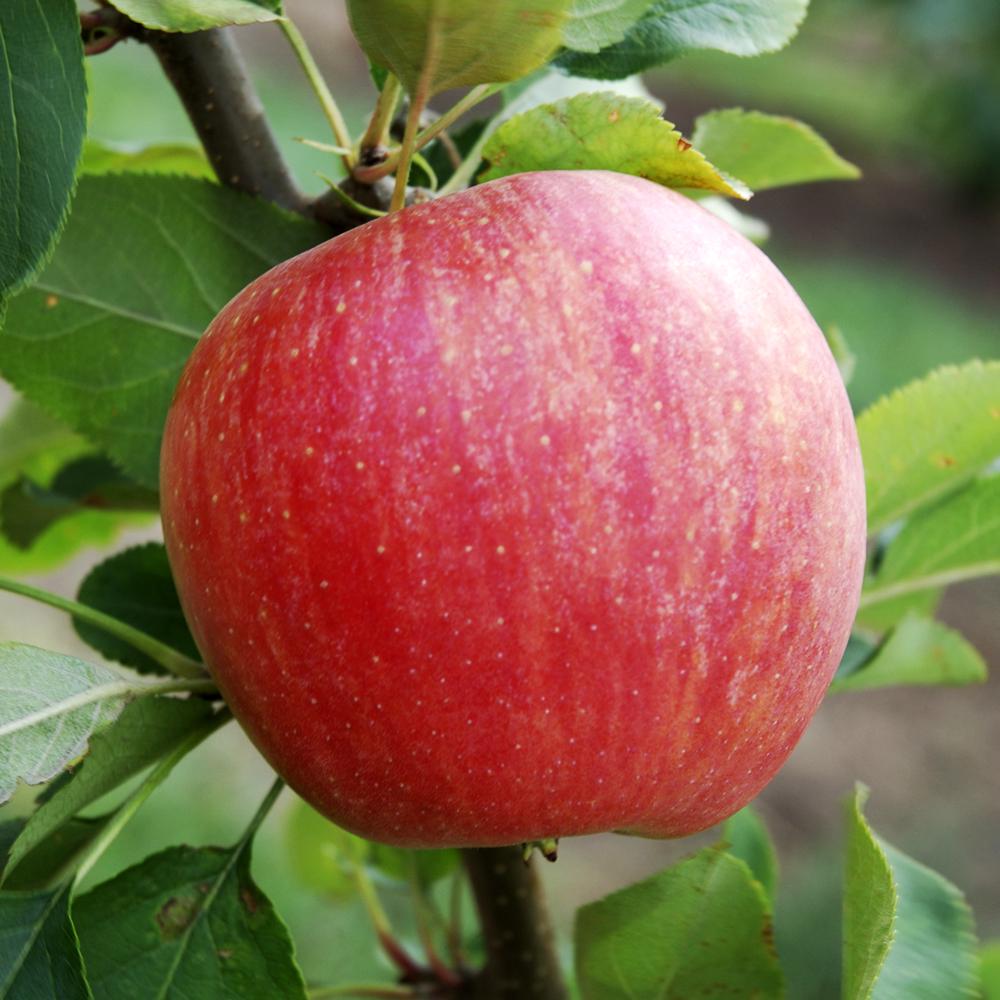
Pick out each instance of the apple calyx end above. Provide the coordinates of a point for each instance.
(548, 847)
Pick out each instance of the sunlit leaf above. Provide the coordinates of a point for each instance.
(701, 928)
(767, 151)
(928, 438)
(602, 131)
(918, 651)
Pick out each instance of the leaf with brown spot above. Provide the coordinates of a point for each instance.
(164, 920)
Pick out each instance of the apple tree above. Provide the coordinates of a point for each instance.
(509, 493)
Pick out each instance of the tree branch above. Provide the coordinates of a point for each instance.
(209, 75)
(521, 962)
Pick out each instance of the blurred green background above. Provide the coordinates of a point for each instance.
(906, 263)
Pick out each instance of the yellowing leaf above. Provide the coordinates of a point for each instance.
(603, 131)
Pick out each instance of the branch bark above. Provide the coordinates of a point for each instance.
(521, 961)
(208, 73)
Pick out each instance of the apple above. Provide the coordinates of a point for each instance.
(533, 511)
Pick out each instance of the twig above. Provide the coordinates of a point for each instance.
(208, 73)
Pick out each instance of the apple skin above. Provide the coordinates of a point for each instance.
(534, 511)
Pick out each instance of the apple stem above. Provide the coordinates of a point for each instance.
(521, 959)
(376, 138)
(338, 126)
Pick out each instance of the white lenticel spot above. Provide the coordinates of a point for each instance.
(587, 266)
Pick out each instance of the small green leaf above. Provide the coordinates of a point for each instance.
(143, 267)
(928, 438)
(602, 131)
(887, 614)
(747, 839)
(43, 108)
(39, 951)
(908, 932)
(595, 24)
(989, 970)
(34, 445)
(28, 510)
(147, 730)
(187, 922)
(136, 587)
(670, 28)
(767, 151)
(50, 706)
(197, 15)
(701, 928)
(323, 855)
(957, 540)
(870, 902)
(158, 158)
(918, 651)
(441, 44)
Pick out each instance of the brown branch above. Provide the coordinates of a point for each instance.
(209, 75)
(521, 962)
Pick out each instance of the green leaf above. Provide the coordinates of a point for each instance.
(595, 24)
(54, 858)
(870, 903)
(197, 15)
(441, 44)
(187, 922)
(28, 510)
(144, 265)
(34, 445)
(50, 706)
(701, 928)
(43, 108)
(147, 730)
(908, 932)
(136, 587)
(928, 438)
(158, 158)
(989, 970)
(918, 651)
(602, 131)
(768, 151)
(957, 540)
(671, 28)
(887, 614)
(323, 855)
(747, 839)
(39, 951)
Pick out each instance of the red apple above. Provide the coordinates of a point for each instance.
(537, 510)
